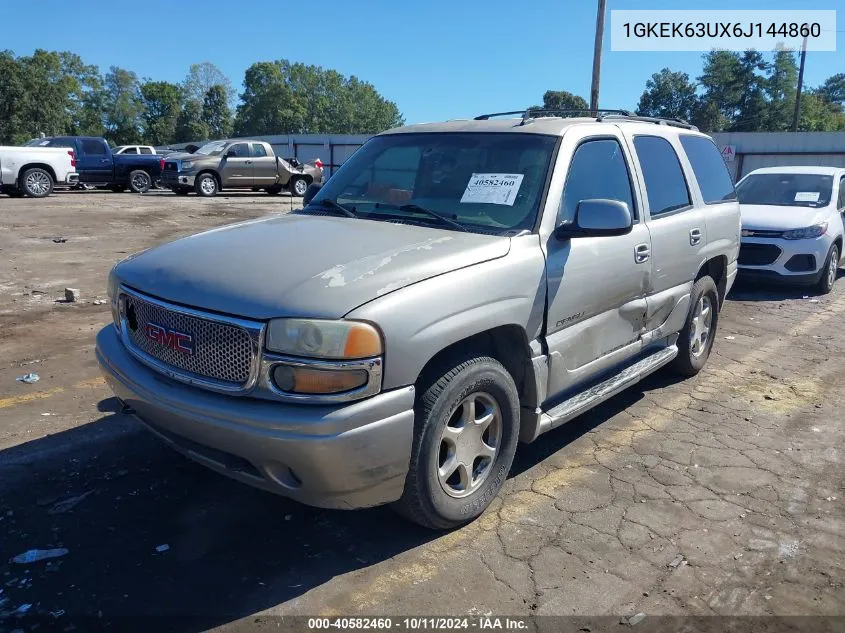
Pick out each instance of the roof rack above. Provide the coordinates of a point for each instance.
(599, 114)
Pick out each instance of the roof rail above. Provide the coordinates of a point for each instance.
(531, 113)
(600, 114)
(652, 119)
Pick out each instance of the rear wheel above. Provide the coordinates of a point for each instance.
(36, 183)
(465, 436)
(298, 186)
(829, 271)
(206, 185)
(140, 181)
(696, 338)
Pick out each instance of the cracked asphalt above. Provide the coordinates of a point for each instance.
(718, 495)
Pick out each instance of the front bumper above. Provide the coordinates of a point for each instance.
(349, 456)
(796, 262)
(176, 179)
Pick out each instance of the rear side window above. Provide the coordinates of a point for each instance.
(258, 150)
(709, 169)
(665, 184)
(146, 150)
(598, 170)
(91, 146)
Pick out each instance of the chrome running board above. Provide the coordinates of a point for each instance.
(587, 399)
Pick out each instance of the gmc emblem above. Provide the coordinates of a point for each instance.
(177, 341)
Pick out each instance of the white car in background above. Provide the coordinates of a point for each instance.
(134, 149)
(792, 225)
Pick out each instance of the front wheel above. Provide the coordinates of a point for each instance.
(37, 183)
(206, 185)
(298, 186)
(465, 436)
(140, 181)
(829, 271)
(696, 338)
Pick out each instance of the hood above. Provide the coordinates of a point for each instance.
(779, 218)
(300, 265)
(182, 156)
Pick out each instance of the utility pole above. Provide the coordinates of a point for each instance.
(800, 85)
(594, 90)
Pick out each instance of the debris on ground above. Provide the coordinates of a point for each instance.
(162, 548)
(59, 240)
(730, 338)
(72, 295)
(677, 561)
(634, 620)
(35, 555)
(68, 504)
(99, 302)
(29, 378)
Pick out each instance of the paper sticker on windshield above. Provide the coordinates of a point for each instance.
(492, 188)
(807, 196)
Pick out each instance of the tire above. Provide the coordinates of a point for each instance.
(445, 402)
(274, 190)
(206, 185)
(140, 181)
(691, 357)
(180, 191)
(36, 183)
(829, 271)
(117, 188)
(298, 186)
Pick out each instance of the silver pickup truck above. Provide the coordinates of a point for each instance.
(453, 289)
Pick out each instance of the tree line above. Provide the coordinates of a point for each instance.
(56, 93)
(736, 92)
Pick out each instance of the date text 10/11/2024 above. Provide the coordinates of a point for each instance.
(418, 623)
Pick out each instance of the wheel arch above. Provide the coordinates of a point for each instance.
(717, 269)
(43, 166)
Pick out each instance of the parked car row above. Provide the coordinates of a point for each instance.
(454, 289)
(206, 170)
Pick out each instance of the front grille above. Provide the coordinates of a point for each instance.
(221, 351)
(170, 165)
(758, 254)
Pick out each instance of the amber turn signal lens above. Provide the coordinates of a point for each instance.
(362, 341)
(307, 380)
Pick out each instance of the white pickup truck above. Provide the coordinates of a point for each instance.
(34, 171)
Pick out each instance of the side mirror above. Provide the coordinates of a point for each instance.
(597, 218)
(312, 190)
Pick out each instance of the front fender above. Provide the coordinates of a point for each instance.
(421, 319)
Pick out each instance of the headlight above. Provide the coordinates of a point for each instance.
(805, 234)
(323, 339)
(186, 166)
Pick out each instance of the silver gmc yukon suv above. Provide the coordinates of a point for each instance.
(453, 289)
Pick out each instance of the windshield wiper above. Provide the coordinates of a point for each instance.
(415, 208)
(336, 206)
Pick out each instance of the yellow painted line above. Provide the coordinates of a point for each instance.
(12, 401)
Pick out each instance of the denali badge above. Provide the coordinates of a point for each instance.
(177, 341)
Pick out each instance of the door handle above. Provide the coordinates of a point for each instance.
(641, 253)
(695, 237)
(104, 161)
(249, 162)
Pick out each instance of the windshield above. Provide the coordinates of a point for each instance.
(215, 147)
(790, 190)
(484, 182)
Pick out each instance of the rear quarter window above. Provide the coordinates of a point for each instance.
(665, 184)
(709, 169)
